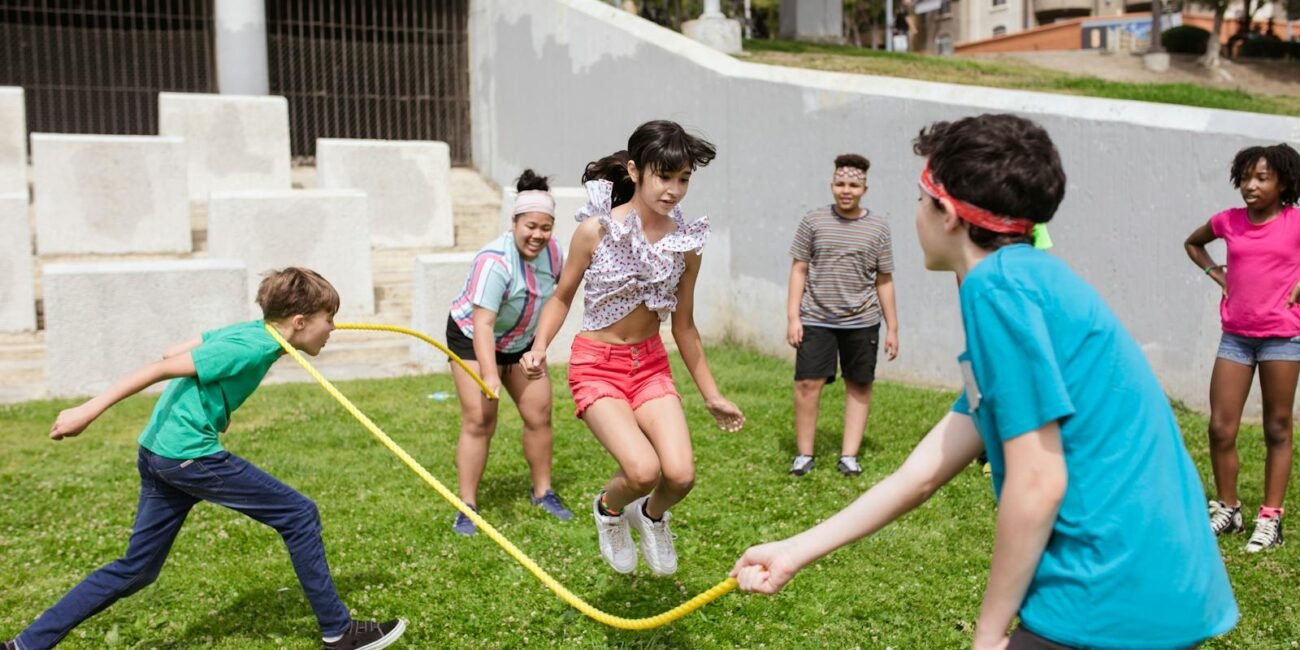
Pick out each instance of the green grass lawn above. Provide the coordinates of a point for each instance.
(1007, 74)
(66, 508)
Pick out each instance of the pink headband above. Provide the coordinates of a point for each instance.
(851, 173)
(534, 201)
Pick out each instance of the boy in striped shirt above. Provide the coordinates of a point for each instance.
(841, 287)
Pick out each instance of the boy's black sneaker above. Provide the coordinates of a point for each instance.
(368, 635)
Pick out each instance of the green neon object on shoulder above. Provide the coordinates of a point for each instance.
(1042, 240)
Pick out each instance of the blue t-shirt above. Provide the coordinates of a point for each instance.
(1131, 562)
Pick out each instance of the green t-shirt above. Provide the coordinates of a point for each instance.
(193, 411)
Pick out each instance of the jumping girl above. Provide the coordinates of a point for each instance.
(640, 259)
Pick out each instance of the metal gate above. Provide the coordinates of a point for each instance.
(96, 66)
(385, 69)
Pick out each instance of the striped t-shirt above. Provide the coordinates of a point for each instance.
(843, 256)
(501, 280)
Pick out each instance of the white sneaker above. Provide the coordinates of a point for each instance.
(1268, 534)
(615, 539)
(656, 539)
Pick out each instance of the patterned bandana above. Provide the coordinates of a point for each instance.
(974, 214)
(850, 174)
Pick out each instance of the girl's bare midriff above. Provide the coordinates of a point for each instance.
(638, 326)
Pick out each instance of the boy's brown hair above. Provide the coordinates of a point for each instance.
(852, 160)
(295, 290)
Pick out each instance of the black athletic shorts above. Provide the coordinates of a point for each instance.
(855, 348)
(463, 346)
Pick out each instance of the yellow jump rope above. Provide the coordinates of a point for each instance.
(567, 596)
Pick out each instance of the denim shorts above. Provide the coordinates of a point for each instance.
(1250, 350)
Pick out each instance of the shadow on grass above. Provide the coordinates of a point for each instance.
(265, 614)
(642, 595)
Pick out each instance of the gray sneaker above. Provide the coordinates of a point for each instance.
(551, 503)
(802, 465)
(464, 526)
(849, 466)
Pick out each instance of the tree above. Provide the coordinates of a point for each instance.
(861, 19)
(1220, 8)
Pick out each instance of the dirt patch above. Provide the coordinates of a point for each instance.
(1257, 77)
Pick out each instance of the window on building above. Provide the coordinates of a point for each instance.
(999, 3)
(1000, 30)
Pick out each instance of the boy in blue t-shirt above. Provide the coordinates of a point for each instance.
(1101, 538)
(181, 462)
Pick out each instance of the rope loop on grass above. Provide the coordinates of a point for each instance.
(551, 583)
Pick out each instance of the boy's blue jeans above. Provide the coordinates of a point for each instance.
(168, 490)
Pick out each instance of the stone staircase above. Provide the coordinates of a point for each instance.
(476, 204)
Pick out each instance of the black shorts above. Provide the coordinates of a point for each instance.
(463, 346)
(856, 349)
(1022, 639)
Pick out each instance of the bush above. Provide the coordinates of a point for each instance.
(1185, 39)
(1293, 49)
(1264, 48)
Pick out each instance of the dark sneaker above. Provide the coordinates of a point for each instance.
(11, 645)
(1268, 534)
(849, 466)
(463, 525)
(551, 503)
(368, 635)
(802, 465)
(1225, 519)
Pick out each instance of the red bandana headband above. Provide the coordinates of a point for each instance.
(974, 214)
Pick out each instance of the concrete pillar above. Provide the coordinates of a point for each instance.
(714, 29)
(813, 20)
(241, 47)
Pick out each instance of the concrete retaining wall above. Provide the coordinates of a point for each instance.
(234, 142)
(13, 141)
(110, 194)
(324, 230)
(17, 299)
(104, 320)
(1141, 175)
(408, 184)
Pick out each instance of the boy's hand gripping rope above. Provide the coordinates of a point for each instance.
(567, 596)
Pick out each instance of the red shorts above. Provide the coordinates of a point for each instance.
(634, 373)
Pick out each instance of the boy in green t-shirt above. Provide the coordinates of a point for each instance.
(181, 462)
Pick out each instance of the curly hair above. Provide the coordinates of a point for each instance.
(1281, 158)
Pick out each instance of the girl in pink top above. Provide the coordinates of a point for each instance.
(640, 258)
(1261, 327)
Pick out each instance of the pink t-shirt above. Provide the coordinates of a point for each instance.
(1263, 266)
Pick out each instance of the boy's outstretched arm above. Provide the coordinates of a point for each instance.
(1031, 495)
(73, 421)
(948, 448)
(183, 347)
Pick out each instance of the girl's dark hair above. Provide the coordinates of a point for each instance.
(1005, 164)
(612, 168)
(1284, 161)
(852, 160)
(531, 181)
(658, 145)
